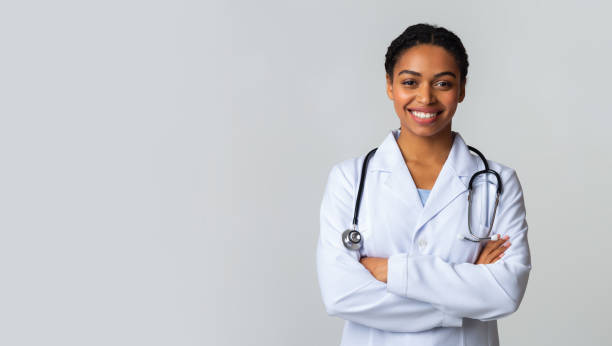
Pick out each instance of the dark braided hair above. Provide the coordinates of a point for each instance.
(430, 34)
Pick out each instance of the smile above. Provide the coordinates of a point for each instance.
(424, 117)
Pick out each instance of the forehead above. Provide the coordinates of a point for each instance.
(426, 59)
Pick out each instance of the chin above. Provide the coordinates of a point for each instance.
(425, 131)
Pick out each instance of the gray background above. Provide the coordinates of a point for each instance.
(163, 162)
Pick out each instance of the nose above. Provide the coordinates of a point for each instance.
(425, 94)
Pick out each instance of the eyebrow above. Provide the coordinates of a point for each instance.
(445, 73)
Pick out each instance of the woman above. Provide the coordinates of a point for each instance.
(413, 281)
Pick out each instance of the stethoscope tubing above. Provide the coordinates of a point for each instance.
(352, 239)
(364, 169)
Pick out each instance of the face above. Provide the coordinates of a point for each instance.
(426, 89)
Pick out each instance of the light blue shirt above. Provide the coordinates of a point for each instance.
(423, 194)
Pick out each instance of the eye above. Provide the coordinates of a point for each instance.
(409, 82)
(443, 84)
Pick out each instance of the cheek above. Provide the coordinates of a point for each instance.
(450, 100)
(402, 98)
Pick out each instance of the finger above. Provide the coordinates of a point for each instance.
(497, 258)
(494, 244)
(497, 243)
(499, 251)
(490, 247)
(483, 256)
(491, 244)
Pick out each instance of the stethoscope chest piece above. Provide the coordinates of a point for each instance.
(352, 239)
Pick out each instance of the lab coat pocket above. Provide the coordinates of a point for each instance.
(463, 250)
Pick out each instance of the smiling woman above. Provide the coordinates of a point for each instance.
(425, 88)
(421, 94)
(409, 280)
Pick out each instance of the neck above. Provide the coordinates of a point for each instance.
(432, 150)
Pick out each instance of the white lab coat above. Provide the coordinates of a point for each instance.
(434, 294)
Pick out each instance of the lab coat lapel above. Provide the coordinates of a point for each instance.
(452, 180)
(398, 181)
(450, 183)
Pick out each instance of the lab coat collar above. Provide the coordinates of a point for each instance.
(450, 183)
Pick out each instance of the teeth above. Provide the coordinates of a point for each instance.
(423, 115)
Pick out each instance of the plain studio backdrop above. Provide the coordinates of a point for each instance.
(163, 162)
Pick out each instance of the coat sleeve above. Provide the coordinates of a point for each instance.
(478, 291)
(348, 289)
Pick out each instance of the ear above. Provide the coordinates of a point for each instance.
(461, 92)
(389, 87)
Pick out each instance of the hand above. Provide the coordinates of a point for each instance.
(493, 251)
(377, 266)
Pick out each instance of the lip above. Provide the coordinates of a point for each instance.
(425, 110)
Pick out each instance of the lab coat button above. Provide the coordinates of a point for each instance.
(422, 243)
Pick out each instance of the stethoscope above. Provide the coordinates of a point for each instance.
(352, 239)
